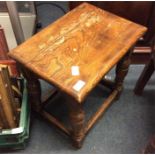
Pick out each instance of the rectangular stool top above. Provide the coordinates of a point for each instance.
(77, 50)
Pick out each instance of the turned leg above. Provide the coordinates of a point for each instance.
(121, 71)
(77, 123)
(76, 120)
(34, 89)
(34, 92)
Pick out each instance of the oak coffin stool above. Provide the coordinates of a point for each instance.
(74, 54)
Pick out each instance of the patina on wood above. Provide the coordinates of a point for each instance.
(74, 54)
(87, 37)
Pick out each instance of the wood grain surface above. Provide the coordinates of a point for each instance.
(91, 39)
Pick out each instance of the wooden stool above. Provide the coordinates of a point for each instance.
(74, 54)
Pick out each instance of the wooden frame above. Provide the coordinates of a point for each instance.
(4, 59)
(76, 113)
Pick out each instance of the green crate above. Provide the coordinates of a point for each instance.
(16, 138)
